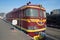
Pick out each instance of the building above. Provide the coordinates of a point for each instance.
(2, 15)
(55, 11)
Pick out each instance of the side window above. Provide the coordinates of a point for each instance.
(21, 14)
(45, 14)
(27, 12)
(41, 13)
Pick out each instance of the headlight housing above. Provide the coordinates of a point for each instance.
(32, 27)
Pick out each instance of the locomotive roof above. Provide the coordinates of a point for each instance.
(32, 6)
(28, 6)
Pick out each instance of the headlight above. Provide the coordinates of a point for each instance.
(32, 27)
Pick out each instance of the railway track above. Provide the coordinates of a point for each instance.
(53, 33)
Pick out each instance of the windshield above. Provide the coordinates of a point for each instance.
(31, 12)
(42, 14)
(45, 14)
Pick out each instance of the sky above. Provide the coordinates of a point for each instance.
(8, 5)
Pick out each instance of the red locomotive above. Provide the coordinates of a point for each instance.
(31, 18)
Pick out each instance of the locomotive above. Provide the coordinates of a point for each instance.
(31, 18)
(53, 21)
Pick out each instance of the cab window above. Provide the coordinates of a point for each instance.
(42, 14)
(31, 12)
(45, 14)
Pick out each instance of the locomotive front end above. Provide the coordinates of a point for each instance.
(34, 21)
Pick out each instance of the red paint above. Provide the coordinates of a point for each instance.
(32, 34)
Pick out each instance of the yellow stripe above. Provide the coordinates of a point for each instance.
(30, 20)
(32, 7)
(44, 20)
(35, 20)
(36, 30)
